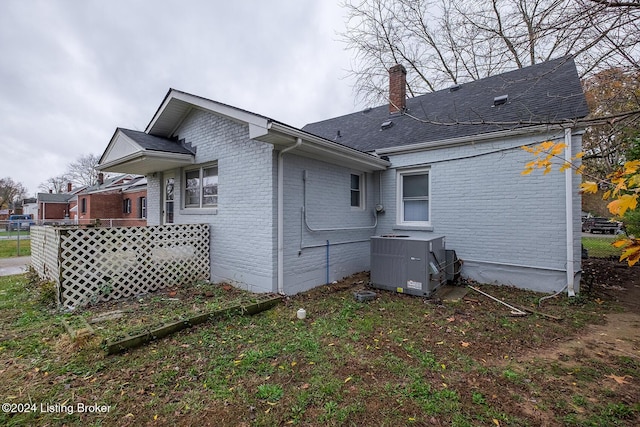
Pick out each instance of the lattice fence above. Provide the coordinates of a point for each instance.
(101, 264)
(45, 242)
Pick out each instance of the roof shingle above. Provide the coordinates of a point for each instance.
(545, 93)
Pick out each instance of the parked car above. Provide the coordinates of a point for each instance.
(602, 225)
(19, 222)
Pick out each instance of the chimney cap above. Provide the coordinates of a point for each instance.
(398, 67)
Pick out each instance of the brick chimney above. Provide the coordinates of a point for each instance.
(397, 89)
(69, 187)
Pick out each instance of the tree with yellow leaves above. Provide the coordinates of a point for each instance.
(624, 185)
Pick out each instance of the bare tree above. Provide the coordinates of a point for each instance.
(10, 192)
(55, 184)
(444, 42)
(83, 171)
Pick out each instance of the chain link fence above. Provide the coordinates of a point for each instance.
(599, 246)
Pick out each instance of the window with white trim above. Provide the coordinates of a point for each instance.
(126, 206)
(413, 197)
(357, 191)
(201, 187)
(142, 207)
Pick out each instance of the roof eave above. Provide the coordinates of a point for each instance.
(171, 113)
(470, 139)
(145, 162)
(315, 146)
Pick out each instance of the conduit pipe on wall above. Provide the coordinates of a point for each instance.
(280, 272)
(569, 213)
(319, 245)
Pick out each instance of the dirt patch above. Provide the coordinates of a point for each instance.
(614, 281)
(608, 280)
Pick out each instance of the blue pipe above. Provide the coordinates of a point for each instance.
(327, 262)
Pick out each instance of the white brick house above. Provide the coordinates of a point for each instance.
(291, 209)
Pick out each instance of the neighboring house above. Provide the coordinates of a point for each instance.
(292, 208)
(117, 201)
(30, 207)
(54, 207)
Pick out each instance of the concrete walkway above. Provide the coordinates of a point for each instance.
(14, 265)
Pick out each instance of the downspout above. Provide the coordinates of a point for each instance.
(568, 181)
(281, 214)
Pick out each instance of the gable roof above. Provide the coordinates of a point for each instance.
(151, 142)
(156, 150)
(121, 182)
(539, 95)
(131, 151)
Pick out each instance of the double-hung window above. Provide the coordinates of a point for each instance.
(201, 187)
(142, 207)
(126, 206)
(357, 193)
(413, 197)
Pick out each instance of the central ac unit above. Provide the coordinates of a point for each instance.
(411, 265)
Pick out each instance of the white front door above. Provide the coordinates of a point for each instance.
(168, 194)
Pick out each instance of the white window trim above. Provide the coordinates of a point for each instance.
(143, 208)
(362, 191)
(399, 202)
(126, 208)
(183, 189)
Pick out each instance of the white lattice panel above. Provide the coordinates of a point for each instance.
(44, 252)
(101, 264)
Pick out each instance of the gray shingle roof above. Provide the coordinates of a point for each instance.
(55, 197)
(540, 94)
(155, 143)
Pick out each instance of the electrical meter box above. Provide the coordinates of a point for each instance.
(407, 264)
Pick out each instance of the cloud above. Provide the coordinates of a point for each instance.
(71, 72)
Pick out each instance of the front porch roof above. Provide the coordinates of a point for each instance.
(135, 152)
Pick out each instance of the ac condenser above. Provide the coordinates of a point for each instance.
(411, 265)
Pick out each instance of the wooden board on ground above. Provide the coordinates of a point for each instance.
(134, 341)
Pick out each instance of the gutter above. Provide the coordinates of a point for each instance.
(280, 278)
(464, 140)
(330, 147)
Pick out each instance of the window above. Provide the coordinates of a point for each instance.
(413, 197)
(356, 191)
(83, 205)
(201, 187)
(126, 206)
(142, 207)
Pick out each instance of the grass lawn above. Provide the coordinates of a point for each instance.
(13, 233)
(9, 248)
(600, 246)
(398, 360)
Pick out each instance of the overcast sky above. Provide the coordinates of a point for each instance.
(71, 71)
